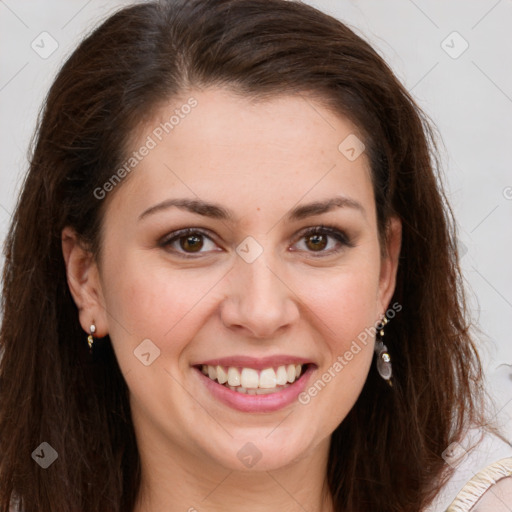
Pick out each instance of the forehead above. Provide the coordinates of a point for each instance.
(219, 146)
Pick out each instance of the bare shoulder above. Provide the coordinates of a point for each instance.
(498, 498)
(490, 490)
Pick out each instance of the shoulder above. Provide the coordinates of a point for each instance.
(497, 498)
(482, 467)
(490, 490)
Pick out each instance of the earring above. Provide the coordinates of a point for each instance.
(383, 357)
(90, 338)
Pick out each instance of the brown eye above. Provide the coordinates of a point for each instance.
(324, 241)
(191, 243)
(316, 242)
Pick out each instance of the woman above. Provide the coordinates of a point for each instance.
(231, 280)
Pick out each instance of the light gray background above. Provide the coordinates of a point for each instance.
(468, 94)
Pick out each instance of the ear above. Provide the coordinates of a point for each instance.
(84, 283)
(389, 263)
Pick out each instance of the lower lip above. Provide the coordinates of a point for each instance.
(257, 403)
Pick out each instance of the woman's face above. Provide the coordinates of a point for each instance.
(249, 288)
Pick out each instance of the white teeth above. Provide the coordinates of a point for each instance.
(222, 376)
(251, 381)
(290, 370)
(212, 372)
(282, 376)
(268, 379)
(233, 376)
(271, 390)
(249, 378)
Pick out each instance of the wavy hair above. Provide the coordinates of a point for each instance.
(386, 455)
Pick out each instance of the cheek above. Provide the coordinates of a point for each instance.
(344, 314)
(145, 299)
(345, 304)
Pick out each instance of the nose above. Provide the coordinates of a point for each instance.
(259, 299)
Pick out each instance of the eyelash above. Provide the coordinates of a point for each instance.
(331, 231)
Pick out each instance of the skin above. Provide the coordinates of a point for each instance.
(260, 160)
(497, 498)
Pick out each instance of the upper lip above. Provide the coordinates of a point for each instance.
(258, 363)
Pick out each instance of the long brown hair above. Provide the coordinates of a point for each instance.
(386, 454)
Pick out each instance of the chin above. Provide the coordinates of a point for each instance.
(259, 453)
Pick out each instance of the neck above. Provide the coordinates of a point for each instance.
(175, 481)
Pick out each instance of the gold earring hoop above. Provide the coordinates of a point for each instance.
(90, 339)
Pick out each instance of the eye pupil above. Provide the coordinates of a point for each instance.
(316, 239)
(192, 243)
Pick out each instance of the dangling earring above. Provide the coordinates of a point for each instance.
(90, 339)
(383, 357)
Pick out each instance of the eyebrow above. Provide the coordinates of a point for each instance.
(216, 211)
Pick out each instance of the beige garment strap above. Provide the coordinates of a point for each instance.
(476, 487)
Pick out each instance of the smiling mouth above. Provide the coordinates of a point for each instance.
(254, 382)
